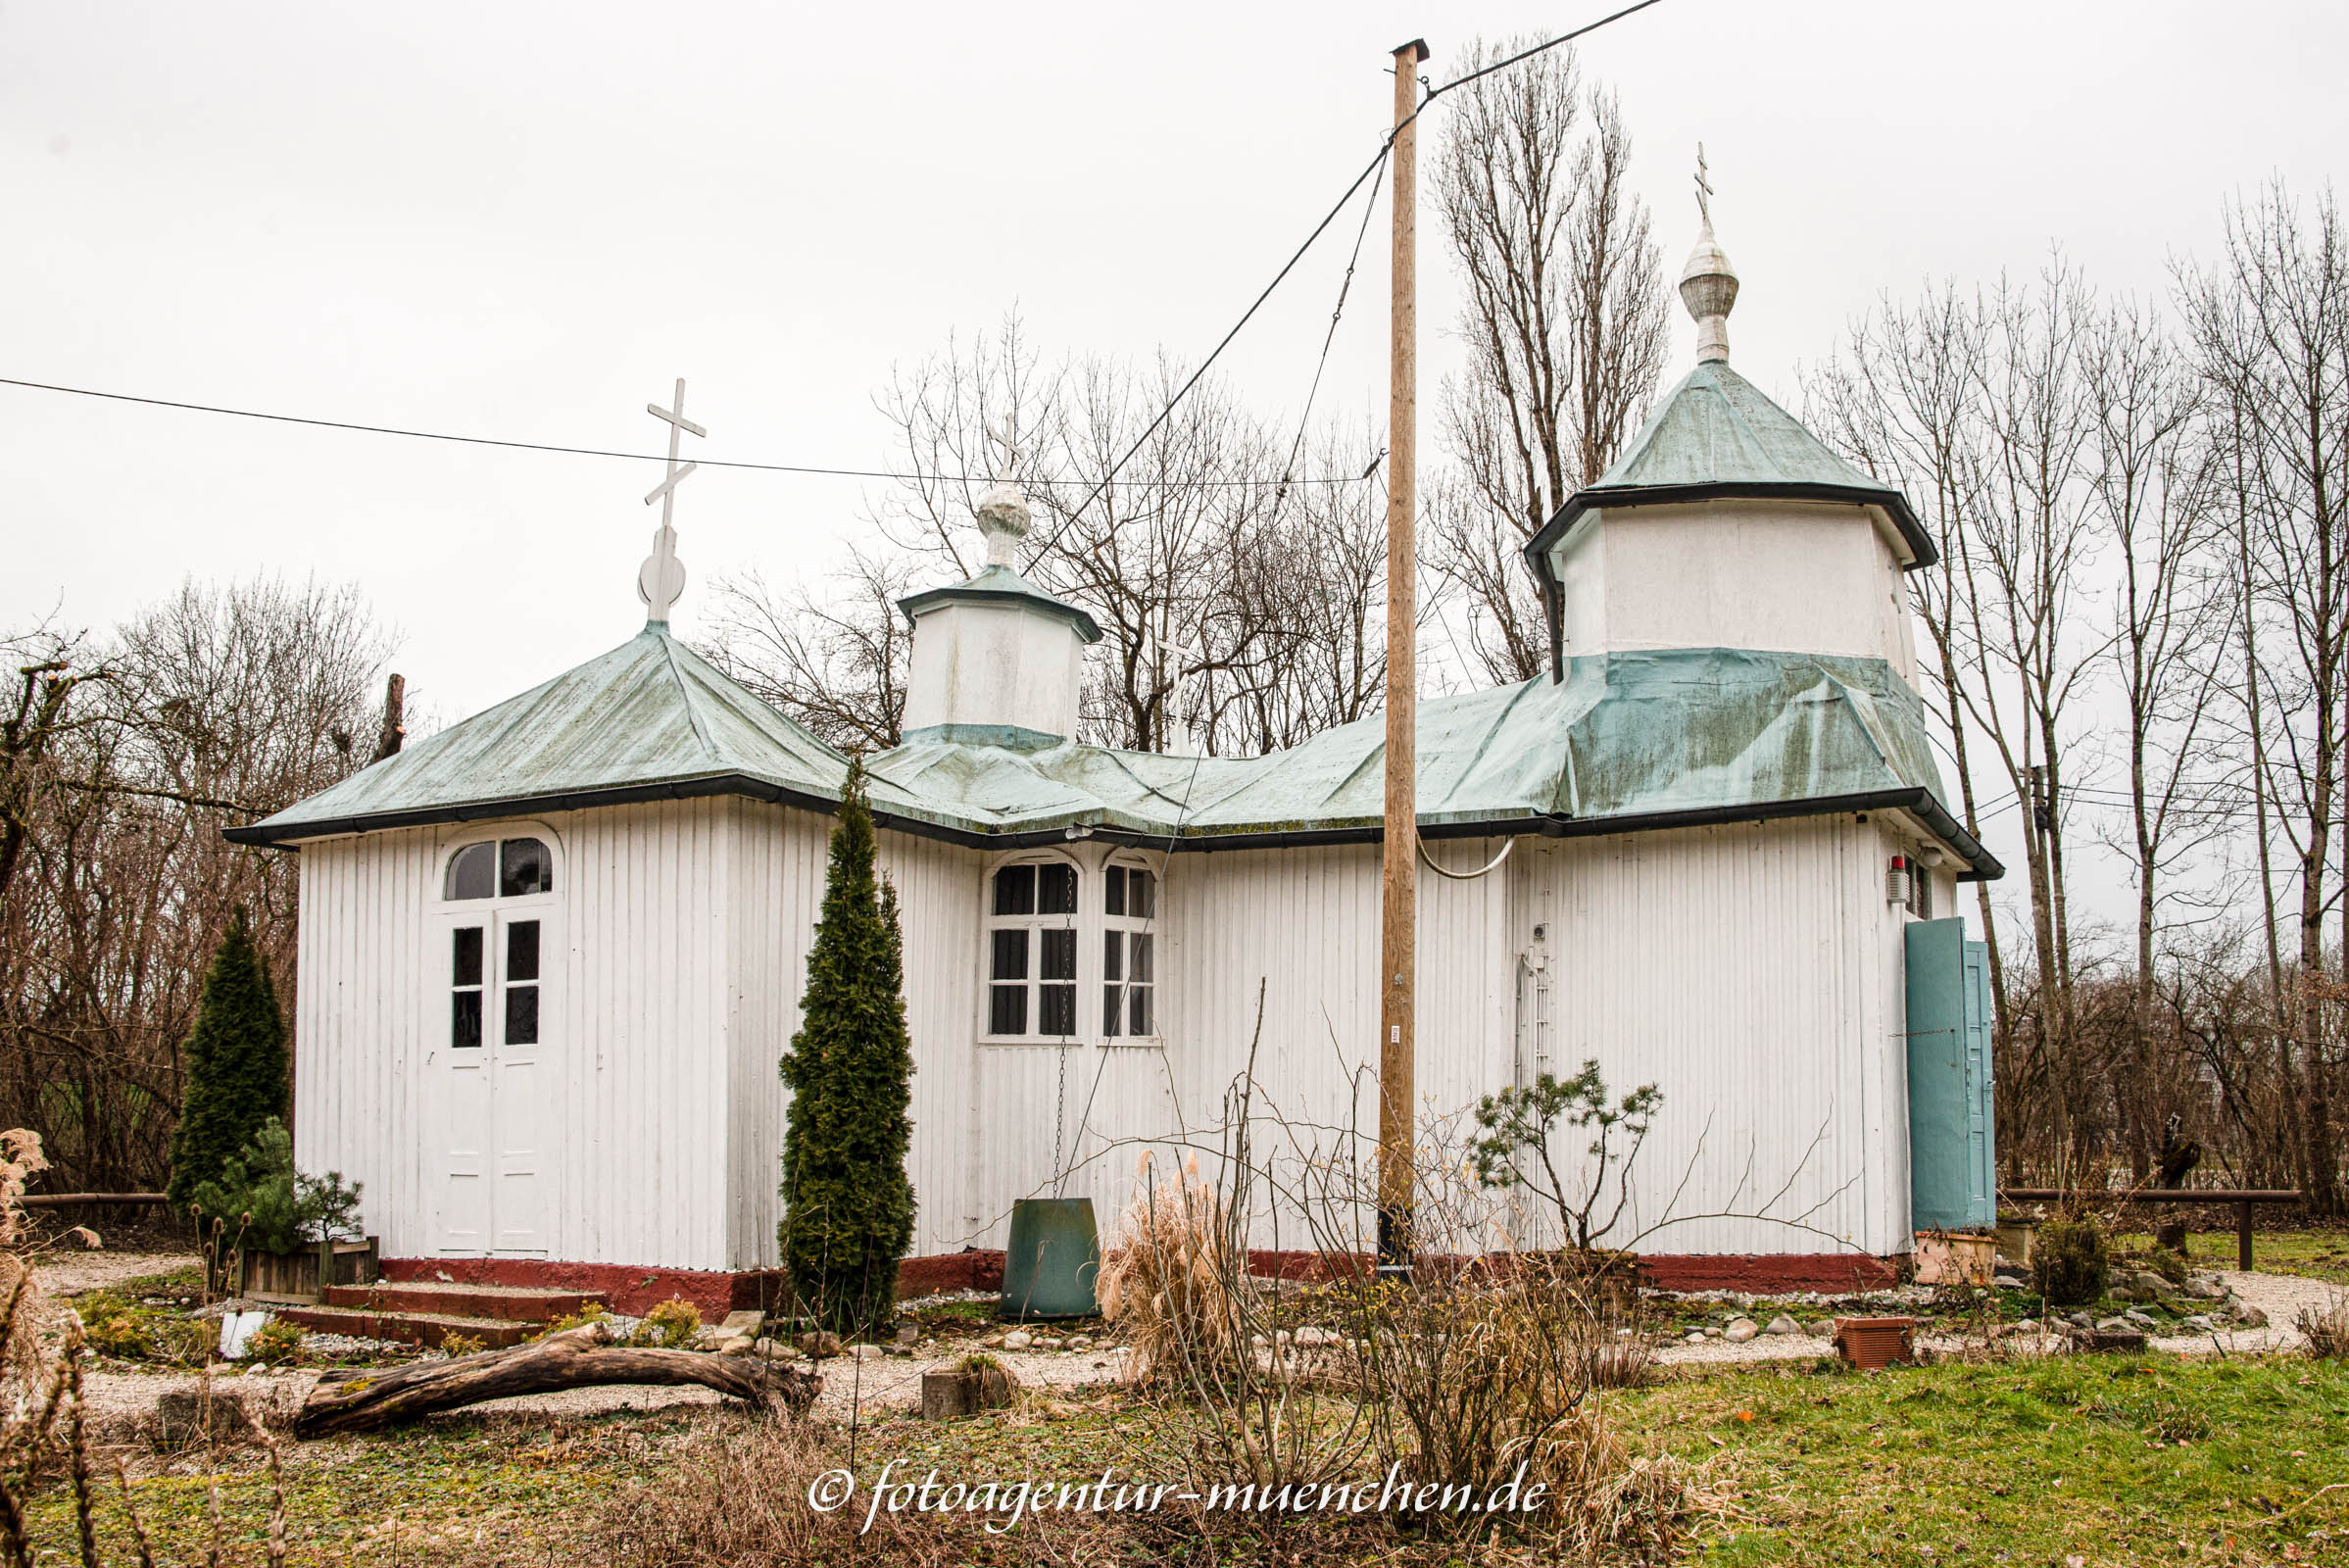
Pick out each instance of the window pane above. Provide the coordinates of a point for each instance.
(465, 967)
(1142, 895)
(1056, 1010)
(1113, 949)
(521, 951)
(1056, 890)
(521, 1015)
(1015, 890)
(1138, 1005)
(1059, 955)
(1110, 1009)
(1114, 892)
(473, 873)
(1140, 945)
(1008, 1009)
(1010, 958)
(524, 867)
(464, 1019)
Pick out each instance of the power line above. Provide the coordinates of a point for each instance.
(1386, 146)
(1345, 286)
(588, 452)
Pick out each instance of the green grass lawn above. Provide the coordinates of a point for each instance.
(2322, 1255)
(2109, 1460)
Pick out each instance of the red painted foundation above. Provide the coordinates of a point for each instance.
(634, 1290)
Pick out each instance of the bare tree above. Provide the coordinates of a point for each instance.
(836, 661)
(221, 705)
(1219, 580)
(1564, 323)
(1980, 408)
(2151, 496)
(2270, 329)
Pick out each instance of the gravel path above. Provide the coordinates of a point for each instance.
(72, 1273)
(124, 1403)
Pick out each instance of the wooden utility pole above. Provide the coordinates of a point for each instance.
(1398, 908)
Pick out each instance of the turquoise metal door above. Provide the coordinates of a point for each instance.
(1950, 1134)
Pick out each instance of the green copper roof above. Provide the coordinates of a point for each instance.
(1717, 436)
(1001, 584)
(1626, 740)
(634, 722)
(1698, 732)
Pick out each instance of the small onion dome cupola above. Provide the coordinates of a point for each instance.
(997, 660)
(1725, 522)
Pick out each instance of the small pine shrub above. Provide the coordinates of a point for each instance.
(272, 1205)
(453, 1346)
(275, 1342)
(671, 1326)
(2069, 1260)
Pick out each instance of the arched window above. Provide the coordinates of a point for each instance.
(508, 869)
(494, 960)
(1032, 949)
(1129, 951)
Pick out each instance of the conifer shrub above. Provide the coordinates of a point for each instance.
(274, 1207)
(236, 1060)
(2069, 1261)
(848, 1203)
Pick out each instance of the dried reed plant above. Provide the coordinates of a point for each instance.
(2326, 1327)
(1168, 1281)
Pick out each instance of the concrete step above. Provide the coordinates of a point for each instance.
(514, 1302)
(427, 1328)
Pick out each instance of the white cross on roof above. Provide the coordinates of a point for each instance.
(661, 578)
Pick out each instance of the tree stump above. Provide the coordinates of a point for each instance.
(959, 1392)
(576, 1359)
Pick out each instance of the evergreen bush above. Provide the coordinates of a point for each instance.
(2069, 1261)
(848, 1203)
(274, 1207)
(235, 1062)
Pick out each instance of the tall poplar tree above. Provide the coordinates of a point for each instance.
(235, 1064)
(848, 1203)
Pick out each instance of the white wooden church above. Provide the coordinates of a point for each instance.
(548, 958)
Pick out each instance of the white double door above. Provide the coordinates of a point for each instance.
(490, 1104)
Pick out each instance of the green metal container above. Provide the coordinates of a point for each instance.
(1054, 1261)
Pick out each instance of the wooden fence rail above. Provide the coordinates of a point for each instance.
(2244, 1200)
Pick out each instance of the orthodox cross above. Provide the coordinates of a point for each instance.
(1704, 194)
(661, 578)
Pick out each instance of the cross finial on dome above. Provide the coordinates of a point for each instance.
(1002, 512)
(1708, 284)
(661, 578)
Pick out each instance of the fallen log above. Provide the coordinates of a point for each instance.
(576, 1359)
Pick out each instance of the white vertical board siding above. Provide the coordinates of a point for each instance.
(938, 906)
(635, 1059)
(1741, 969)
(356, 1040)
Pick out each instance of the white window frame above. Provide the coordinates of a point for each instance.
(1036, 923)
(1126, 927)
(496, 914)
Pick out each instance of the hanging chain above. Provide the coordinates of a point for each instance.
(1060, 1122)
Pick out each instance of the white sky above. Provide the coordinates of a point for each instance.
(526, 220)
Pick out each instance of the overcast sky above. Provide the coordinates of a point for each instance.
(526, 220)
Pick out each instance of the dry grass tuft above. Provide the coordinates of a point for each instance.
(2327, 1328)
(1167, 1283)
